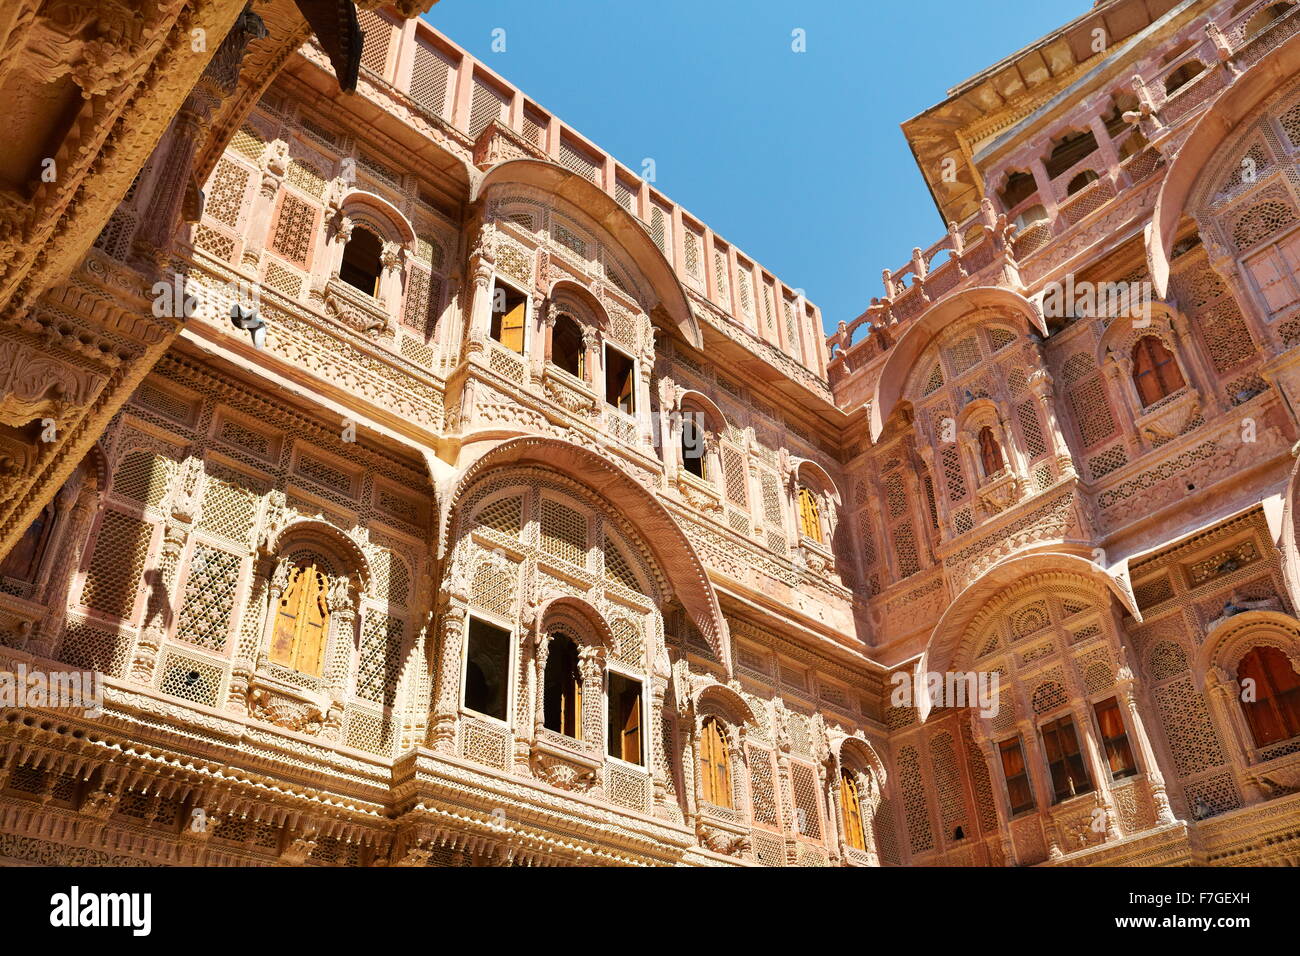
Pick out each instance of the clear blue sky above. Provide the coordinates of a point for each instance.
(796, 158)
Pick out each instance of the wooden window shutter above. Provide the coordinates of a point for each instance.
(852, 804)
(302, 621)
(715, 769)
(512, 328)
(809, 514)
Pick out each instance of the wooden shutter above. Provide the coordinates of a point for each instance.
(715, 770)
(809, 514)
(631, 750)
(302, 621)
(512, 328)
(852, 805)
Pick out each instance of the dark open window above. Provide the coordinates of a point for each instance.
(693, 444)
(1068, 150)
(567, 351)
(620, 381)
(562, 688)
(1274, 714)
(1065, 760)
(1183, 75)
(1019, 791)
(1114, 738)
(990, 453)
(1020, 186)
(487, 667)
(23, 562)
(1155, 371)
(509, 310)
(362, 264)
(624, 734)
(1081, 182)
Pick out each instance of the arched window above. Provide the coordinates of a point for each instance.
(1020, 186)
(302, 621)
(990, 453)
(562, 688)
(567, 350)
(693, 445)
(23, 563)
(715, 764)
(851, 801)
(1265, 18)
(1274, 713)
(810, 514)
(1155, 372)
(1081, 182)
(1183, 75)
(362, 263)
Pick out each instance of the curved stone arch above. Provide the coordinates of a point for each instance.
(864, 755)
(670, 549)
(981, 412)
(1122, 336)
(519, 483)
(719, 700)
(980, 305)
(1254, 128)
(1221, 123)
(632, 553)
(564, 291)
(627, 234)
(580, 615)
(378, 214)
(1230, 640)
(715, 418)
(968, 616)
(323, 536)
(808, 470)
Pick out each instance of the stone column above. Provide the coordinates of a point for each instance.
(1223, 695)
(1118, 369)
(264, 593)
(160, 603)
(1040, 780)
(446, 707)
(656, 755)
(72, 541)
(591, 668)
(1097, 767)
(344, 604)
(1144, 753)
(1046, 193)
(275, 162)
(219, 80)
(997, 783)
(591, 360)
(1200, 376)
(1041, 388)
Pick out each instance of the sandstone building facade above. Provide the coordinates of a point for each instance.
(539, 524)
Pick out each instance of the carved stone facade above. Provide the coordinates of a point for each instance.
(536, 524)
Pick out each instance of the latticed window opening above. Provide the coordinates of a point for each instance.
(564, 532)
